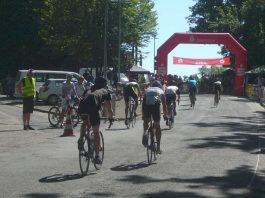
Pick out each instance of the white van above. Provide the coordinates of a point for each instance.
(41, 77)
(123, 78)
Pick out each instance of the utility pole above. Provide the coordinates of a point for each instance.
(105, 40)
(119, 42)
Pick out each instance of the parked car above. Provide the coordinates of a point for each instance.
(41, 77)
(51, 90)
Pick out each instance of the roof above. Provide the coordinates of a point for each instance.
(136, 69)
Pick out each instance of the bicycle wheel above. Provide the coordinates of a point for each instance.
(101, 152)
(74, 116)
(151, 146)
(54, 116)
(171, 118)
(84, 158)
(132, 116)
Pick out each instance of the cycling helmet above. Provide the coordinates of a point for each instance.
(100, 82)
(156, 83)
(133, 80)
(69, 76)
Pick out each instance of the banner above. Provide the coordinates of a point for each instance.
(210, 61)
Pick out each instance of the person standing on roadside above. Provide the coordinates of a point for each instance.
(27, 88)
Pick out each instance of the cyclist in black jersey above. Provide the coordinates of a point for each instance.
(89, 108)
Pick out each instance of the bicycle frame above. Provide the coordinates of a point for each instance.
(89, 152)
(132, 118)
(151, 143)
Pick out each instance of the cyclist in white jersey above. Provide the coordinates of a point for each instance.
(171, 93)
(152, 99)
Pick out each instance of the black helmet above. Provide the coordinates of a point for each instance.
(69, 76)
(100, 82)
(133, 80)
(156, 83)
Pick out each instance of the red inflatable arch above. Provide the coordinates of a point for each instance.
(206, 38)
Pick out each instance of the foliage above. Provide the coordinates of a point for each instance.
(68, 34)
(213, 70)
(244, 19)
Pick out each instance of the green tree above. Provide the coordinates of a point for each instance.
(213, 70)
(244, 19)
(75, 29)
(20, 42)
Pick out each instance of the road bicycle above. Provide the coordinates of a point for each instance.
(54, 115)
(216, 98)
(151, 143)
(171, 115)
(89, 154)
(132, 117)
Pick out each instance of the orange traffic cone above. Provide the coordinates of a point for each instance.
(68, 129)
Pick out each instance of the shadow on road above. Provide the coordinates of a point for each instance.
(235, 181)
(172, 194)
(130, 167)
(61, 178)
(42, 195)
(245, 134)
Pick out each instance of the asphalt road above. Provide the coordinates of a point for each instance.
(210, 152)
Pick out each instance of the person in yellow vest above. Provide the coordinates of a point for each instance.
(27, 88)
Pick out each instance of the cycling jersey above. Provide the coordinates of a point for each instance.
(69, 90)
(217, 86)
(170, 93)
(192, 83)
(152, 99)
(154, 95)
(171, 90)
(90, 105)
(134, 86)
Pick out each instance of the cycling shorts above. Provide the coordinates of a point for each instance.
(152, 110)
(217, 88)
(192, 90)
(170, 98)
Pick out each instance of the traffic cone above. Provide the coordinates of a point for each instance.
(68, 128)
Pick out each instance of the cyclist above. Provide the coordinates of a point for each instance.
(68, 97)
(80, 86)
(192, 85)
(171, 93)
(217, 88)
(131, 89)
(89, 110)
(152, 99)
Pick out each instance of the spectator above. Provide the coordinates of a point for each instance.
(27, 88)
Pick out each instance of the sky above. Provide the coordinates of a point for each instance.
(172, 19)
